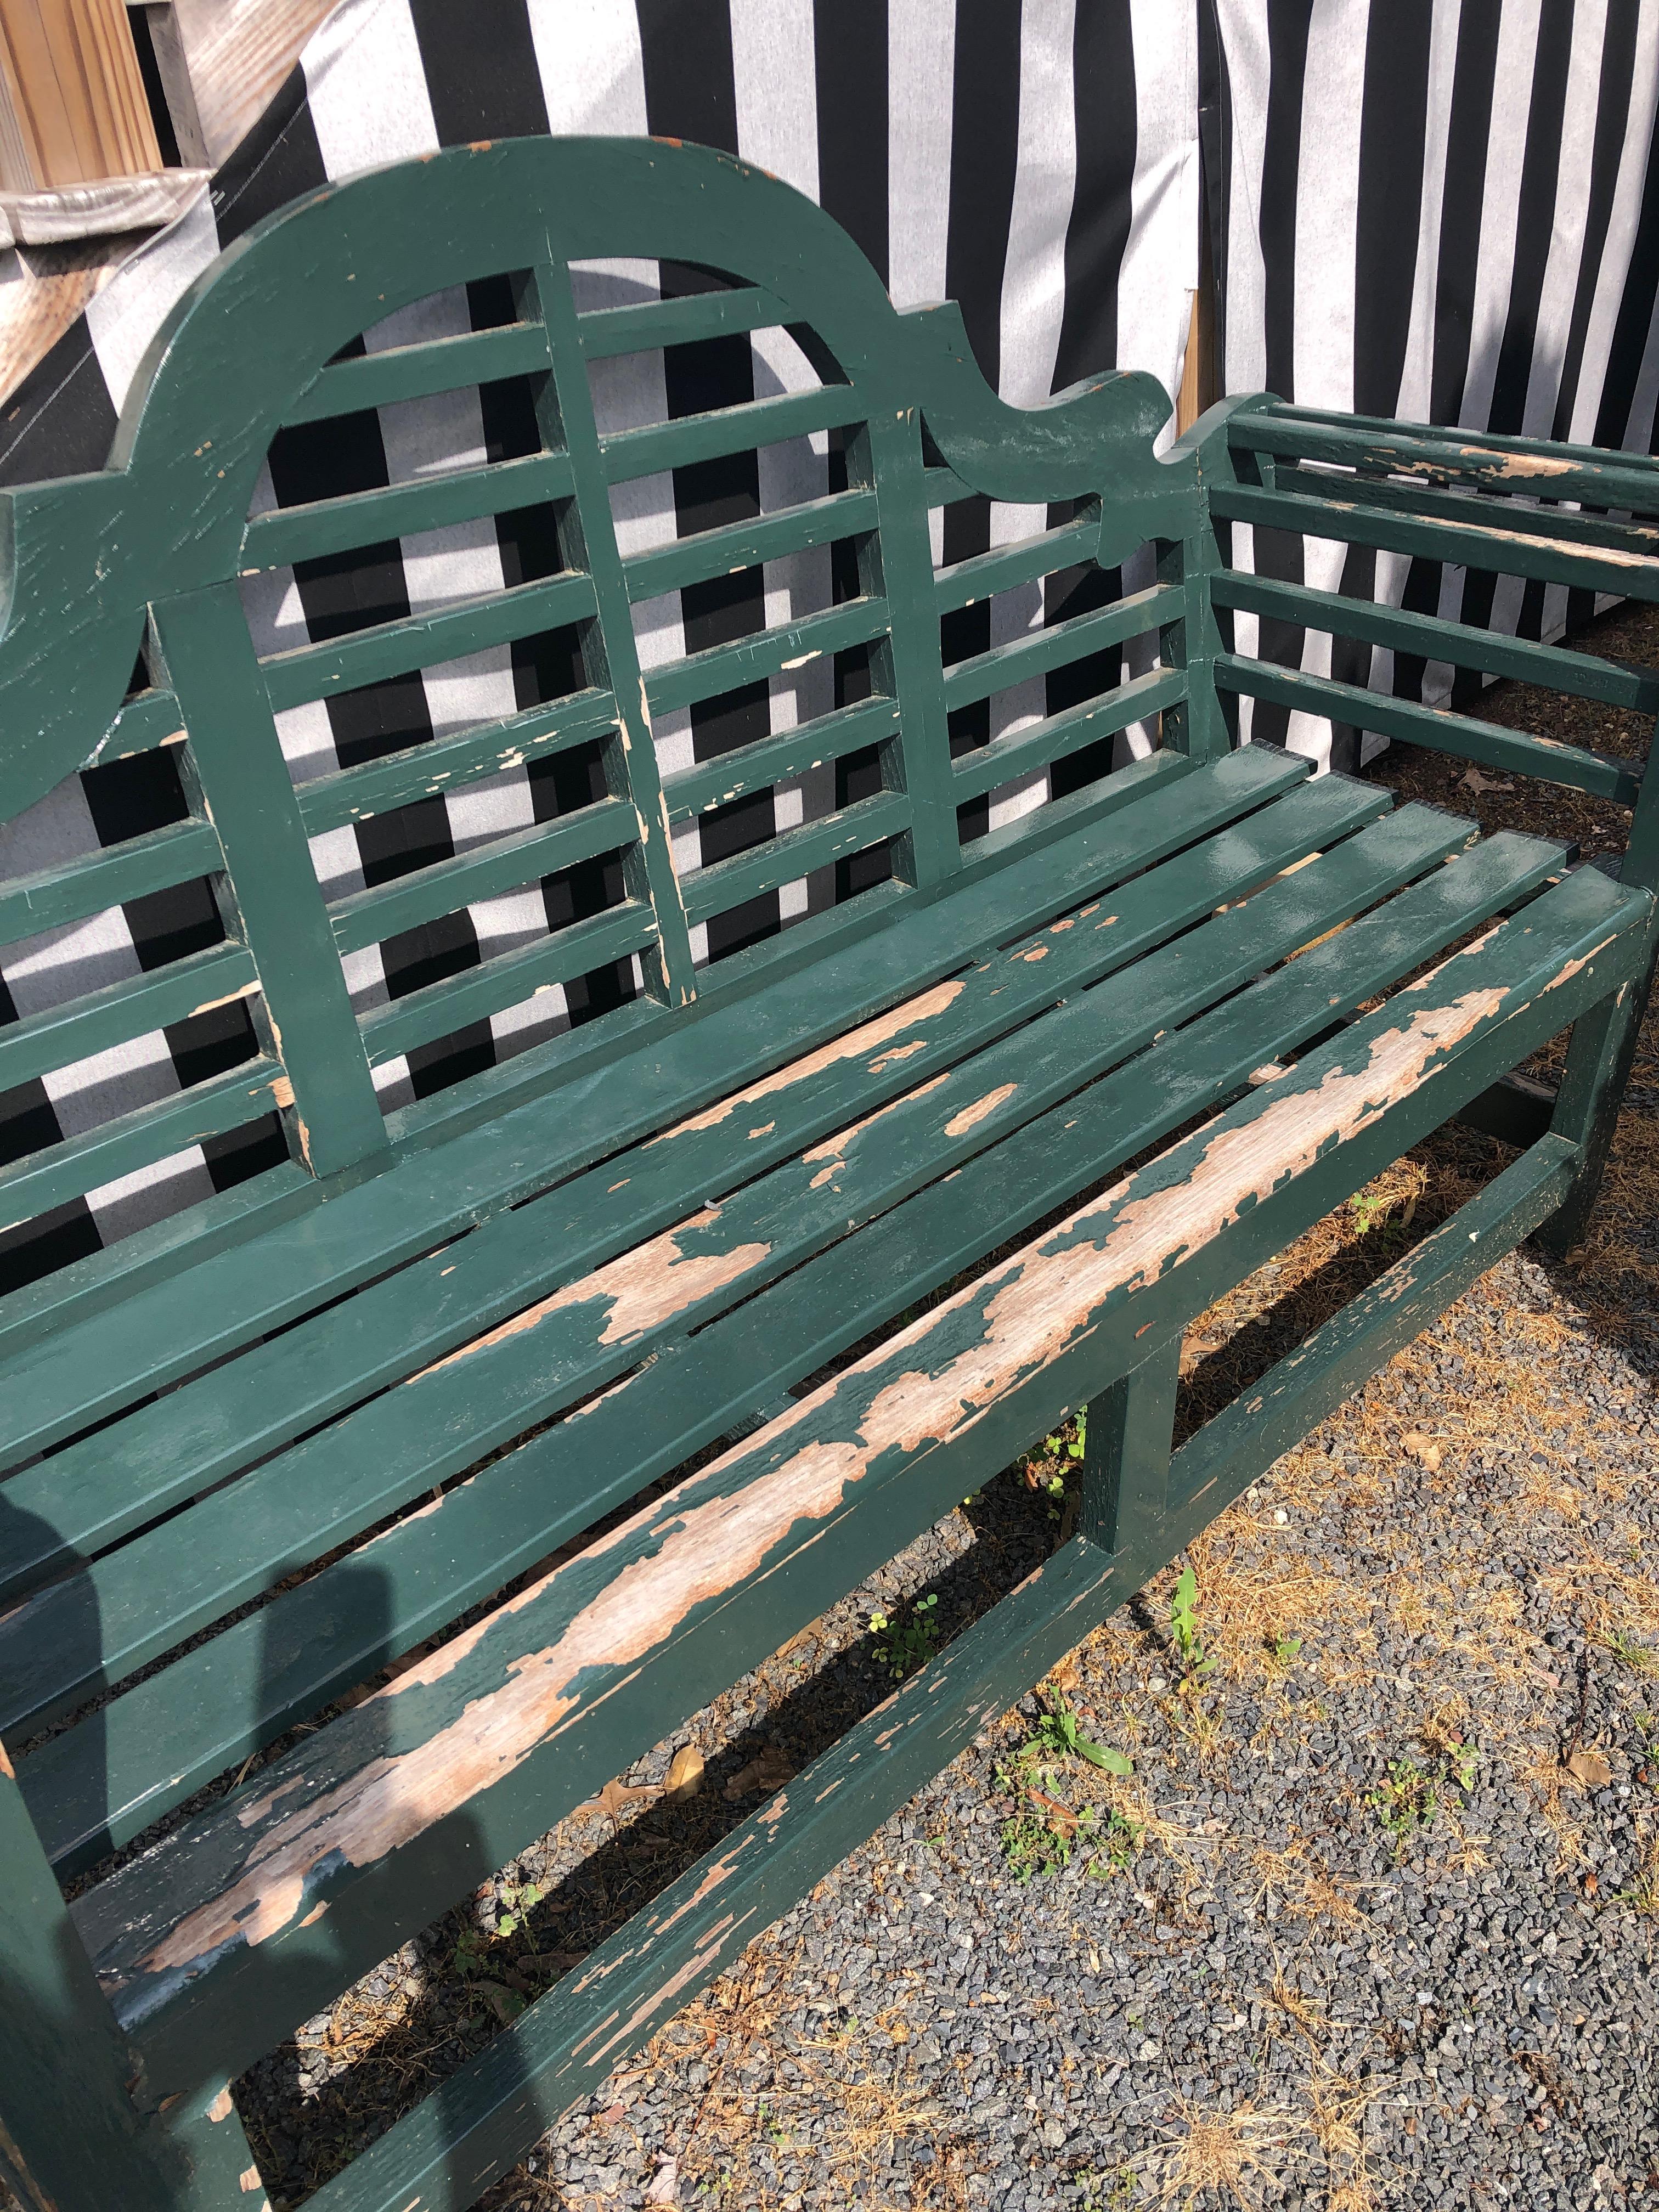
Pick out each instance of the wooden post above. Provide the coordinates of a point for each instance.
(221, 62)
(72, 104)
(1200, 384)
(1126, 1461)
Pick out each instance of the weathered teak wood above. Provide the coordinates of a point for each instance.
(419, 1360)
(72, 105)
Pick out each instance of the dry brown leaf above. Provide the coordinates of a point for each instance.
(766, 1773)
(1060, 1814)
(506, 2004)
(615, 1797)
(684, 1777)
(1423, 1449)
(1592, 1768)
(664, 2187)
(1472, 779)
(551, 1962)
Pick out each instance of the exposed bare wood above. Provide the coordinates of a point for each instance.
(112, 206)
(1200, 379)
(690, 1545)
(42, 291)
(234, 55)
(72, 104)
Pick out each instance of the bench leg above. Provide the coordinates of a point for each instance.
(1126, 1455)
(1598, 1068)
(72, 2135)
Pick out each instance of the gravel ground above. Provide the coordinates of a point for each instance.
(1372, 1920)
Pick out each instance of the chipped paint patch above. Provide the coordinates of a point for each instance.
(696, 1969)
(722, 1870)
(222, 2106)
(844, 1139)
(891, 1058)
(869, 1037)
(698, 1552)
(651, 1284)
(971, 1116)
(212, 1006)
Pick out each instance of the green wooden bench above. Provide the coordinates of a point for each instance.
(1079, 1039)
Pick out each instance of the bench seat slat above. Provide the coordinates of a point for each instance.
(494, 2108)
(344, 1478)
(463, 1759)
(311, 1642)
(87, 1371)
(64, 1374)
(224, 1420)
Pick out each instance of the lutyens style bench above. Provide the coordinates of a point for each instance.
(701, 1028)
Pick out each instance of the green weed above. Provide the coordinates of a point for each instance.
(517, 1903)
(1638, 1658)
(1057, 1736)
(901, 1645)
(1048, 1464)
(1195, 1661)
(1412, 1795)
(1042, 1836)
(1404, 1801)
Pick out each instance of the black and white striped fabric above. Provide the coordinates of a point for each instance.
(1035, 160)
(1446, 212)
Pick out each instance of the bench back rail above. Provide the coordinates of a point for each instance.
(539, 690)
